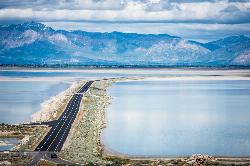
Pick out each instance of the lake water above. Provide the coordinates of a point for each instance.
(104, 73)
(11, 142)
(148, 118)
(179, 118)
(22, 91)
(20, 99)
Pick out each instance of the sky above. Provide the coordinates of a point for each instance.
(191, 19)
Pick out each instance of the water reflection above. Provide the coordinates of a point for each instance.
(20, 99)
(8, 143)
(179, 118)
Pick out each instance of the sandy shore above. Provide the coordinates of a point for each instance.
(50, 108)
(84, 145)
(196, 78)
(84, 142)
(118, 72)
(130, 70)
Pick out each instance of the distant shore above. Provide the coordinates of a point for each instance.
(169, 73)
(91, 120)
(128, 67)
(51, 108)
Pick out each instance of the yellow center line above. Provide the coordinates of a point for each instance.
(70, 104)
(64, 122)
(60, 129)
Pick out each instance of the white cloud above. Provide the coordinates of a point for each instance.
(93, 4)
(135, 11)
(160, 5)
(64, 4)
(195, 19)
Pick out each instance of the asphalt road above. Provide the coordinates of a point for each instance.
(57, 135)
(38, 155)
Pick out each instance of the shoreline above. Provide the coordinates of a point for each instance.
(92, 114)
(51, 108)
(130, 70)
(108, 152)
(101, 154)
(83, 145)
(117, 67)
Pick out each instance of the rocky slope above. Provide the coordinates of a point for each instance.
(36, 44)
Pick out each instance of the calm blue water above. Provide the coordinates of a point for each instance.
(179, 118)
(55, 73)
(20, 99)
(101, 73)
(11, 143)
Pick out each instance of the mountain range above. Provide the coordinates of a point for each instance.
(34, 43)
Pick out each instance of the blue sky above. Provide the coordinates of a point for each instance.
(192, 19)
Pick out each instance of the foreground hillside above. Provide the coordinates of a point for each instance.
(36, 44)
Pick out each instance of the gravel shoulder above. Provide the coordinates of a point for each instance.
(52, 108)
(83, 145)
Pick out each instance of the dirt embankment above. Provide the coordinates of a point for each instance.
(52, 108)
(83, 146)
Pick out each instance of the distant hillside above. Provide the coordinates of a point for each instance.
(36, 44)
